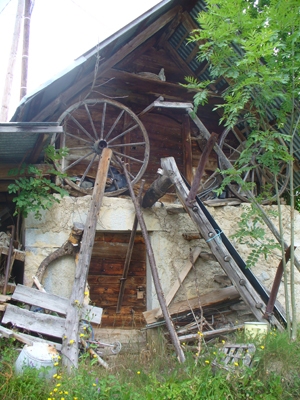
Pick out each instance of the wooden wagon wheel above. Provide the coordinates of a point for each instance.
(89, 127)
(233, 143)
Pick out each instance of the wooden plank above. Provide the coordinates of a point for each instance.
(18, 254)
(183, 273)
(237, 277)
(173, 104)
(210, 334)
(44, 324)
(27, 339)
(4, 298)
(211, 299)
(128, 48)
(53, 302)
(74, 312)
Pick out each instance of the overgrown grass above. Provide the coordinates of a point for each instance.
(155, 373)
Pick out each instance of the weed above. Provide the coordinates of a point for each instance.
(156, 374)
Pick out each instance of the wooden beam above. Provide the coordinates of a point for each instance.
(154, 272)
(6, 168)
(74, 312)
(144, 85)
(181, 277)
(209, 300)
(216, 245)
(128, 48)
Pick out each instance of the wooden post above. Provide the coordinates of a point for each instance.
(70, 338)
(25, 54)
(155, 276)
(11, 63)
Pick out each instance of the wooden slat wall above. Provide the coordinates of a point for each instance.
(106, 269)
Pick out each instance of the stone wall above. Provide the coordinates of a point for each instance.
(166, 231)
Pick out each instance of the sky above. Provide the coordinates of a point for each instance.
(61, 31)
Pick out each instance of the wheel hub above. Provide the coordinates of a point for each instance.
(100, 145)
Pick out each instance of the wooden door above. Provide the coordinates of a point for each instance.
(106, 268)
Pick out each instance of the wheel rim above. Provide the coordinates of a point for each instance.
(259, 175)
(95, 124)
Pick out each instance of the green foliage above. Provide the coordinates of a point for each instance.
(252, 233)
(253, 46)
(161, 377)
(34, 191)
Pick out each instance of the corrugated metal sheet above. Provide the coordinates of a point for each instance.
(17, 140)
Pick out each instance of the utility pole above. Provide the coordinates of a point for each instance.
(11, 63)
(25, 53)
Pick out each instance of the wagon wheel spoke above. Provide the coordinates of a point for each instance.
(79, 138)
(81, 127)
(78, 161)
(89, 127)
(114, 125)
(103, 121)
(260, 176)
(122, 134)
(91, 120)
(87, 170)
(128, 144)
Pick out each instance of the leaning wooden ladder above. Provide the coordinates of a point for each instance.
(214, 241)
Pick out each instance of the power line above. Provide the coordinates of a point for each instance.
(5, 6)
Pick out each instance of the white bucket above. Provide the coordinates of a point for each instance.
(39, 356)
(256, 330)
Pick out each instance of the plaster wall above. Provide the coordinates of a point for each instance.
(166, 231)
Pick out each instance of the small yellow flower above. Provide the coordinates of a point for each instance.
(66, 392)
(183, 344)
(206, 361)
(56, 364)
(223, 341)
(55, 390)
(62, 398)
(72, 341)
(94, 384)
(197, 354)
(138, 372)
(51, 393)
(200, 333)
(58, 385)
(214, 353)
(75, 398)
(64, 337)
(236, 364)
(262, 347)
(81, 335)
(54, 376)
(58, 377)
(49, 398)
(84, 327)
(95, 356)
(86, 293)
(59, 357)
(76, 301)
